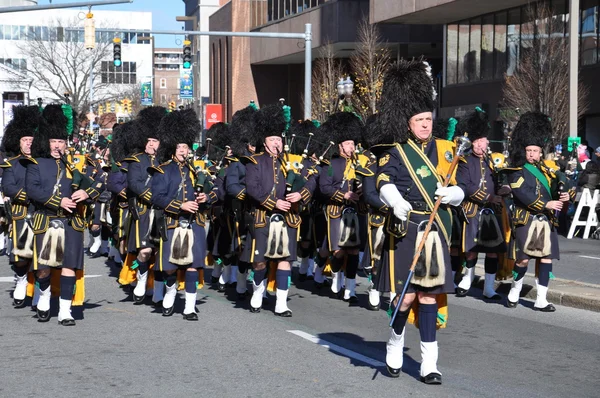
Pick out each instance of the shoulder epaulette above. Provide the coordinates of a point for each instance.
(232, 158)
(156, 169)
(246, 159)
(25, 161)
(134, 157)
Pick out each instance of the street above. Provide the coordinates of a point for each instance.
(326, 349)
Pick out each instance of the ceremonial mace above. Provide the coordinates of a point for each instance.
(463, 144)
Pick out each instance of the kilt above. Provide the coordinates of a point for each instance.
(73, 247)
(198, 250)
(256, 247)
(469, 235)
(223, 233)
(521, 232)
(334, 226)
(398, 255)
(138, 237)
(119, 226)
(17, 227)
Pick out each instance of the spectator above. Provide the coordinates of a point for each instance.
(590, 177)
(597, 156)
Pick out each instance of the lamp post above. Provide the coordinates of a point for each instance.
(345, 89)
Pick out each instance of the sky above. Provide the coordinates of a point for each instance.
(163, 16)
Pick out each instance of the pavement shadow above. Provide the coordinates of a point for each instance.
(371, 349)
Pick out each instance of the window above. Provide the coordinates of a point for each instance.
(163, 83)
(159, 66)
(487, 47)
(123, 75)
(500, 44)
(589, 32)
(163, 98)
(513, 44)
(17, 64)
(463, 51)
(451, 53)
(474, 56)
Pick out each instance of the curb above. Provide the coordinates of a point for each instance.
(562, 292)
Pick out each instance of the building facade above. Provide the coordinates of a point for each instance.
(18, 32)
(167, 64)
(484, 42)
(265, 69)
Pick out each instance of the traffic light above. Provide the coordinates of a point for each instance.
(187, 54)
(117, 52)
(100, 110)
(126, 105)
(172, 106)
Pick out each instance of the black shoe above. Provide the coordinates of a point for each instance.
(351, 300)
(190, 317)
(96, 255)
(510, 304)
(231, 285)
(432, 378)
(324, 284)
(137, 300)
(284, 314)
(67, 322)
(243, 296)
(393, 372)
(221, 288)
(158, 304)
(254, 310)
(18, 303)
(43, 316)
(548, 308)
(302, 277)
(214, 280)
(460, 292)
(495, 297)
(168, 311)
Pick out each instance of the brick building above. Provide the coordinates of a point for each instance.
(167, 62)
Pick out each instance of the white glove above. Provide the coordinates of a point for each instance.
(450, 195)
(390, 196)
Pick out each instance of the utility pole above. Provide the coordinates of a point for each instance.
(573, 65)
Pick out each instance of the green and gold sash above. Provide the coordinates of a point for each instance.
(425, 176)
(539, 176)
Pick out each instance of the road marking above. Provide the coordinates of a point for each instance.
(593, 258)
(91, 276)
(334, 347)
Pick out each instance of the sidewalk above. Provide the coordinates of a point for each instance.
(560, 292)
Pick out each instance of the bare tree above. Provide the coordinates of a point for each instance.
(60, 64)
(369, 63)
(326, 72)
(540, 82)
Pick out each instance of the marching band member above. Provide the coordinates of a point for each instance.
(16, 144)
(482, 230)
(339, 184)
(59, 221)
(183, 238)
(273, 232)
(99, 230)
(241, 140)
(537, 196)
(409, 180)
(139, 195)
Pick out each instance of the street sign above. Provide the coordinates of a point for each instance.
(573, 143)
(213, 113)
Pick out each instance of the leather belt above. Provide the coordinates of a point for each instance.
(419, 205)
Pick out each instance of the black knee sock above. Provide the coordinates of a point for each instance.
(519, 272)
(191, 281)
(259, 276)
(400, 321)
(491, 265)
(471, 263)
(544, 273)
(427, 322)
(158, 277)
(21, 271)
(170, 280)
(336, 263)
(43, 283)
(320, 261)
(142, 266)
(243, 266)
(67, 287)
(282, 278)
(455, 262)
(352, 266)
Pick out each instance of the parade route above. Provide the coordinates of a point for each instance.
(118, 349)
